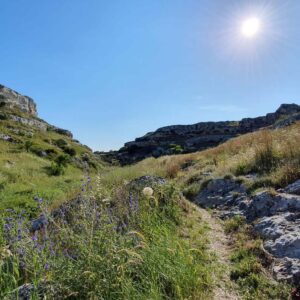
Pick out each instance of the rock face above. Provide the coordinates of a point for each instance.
(30, 122)
(275, 217)
(219, 192)
(199, 136)
(13, 99)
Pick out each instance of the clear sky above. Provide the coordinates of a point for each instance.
(111, 71)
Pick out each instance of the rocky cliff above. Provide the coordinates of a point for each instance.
(13, 99)
(22, 109)
(189, 138)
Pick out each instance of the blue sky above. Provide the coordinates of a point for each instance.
(111, 71)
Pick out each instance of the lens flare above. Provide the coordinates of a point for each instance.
(250, 27)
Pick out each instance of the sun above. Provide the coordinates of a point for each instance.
(250, 27)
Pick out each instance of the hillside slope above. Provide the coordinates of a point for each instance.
(191, 138)
(37, 159)
(252, 185)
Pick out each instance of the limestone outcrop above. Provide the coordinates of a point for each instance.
(274, 216)
(13, 99)
(190, 138)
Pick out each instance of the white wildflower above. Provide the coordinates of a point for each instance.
(148, 191)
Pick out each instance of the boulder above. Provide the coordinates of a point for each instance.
(287, 245)
(293, 188)
(146, 181)
(281, 234)
(287, 269)
(267, 204)
(221, 192)
(60, 131)
(7, 138)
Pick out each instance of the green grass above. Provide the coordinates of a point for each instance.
(24, 175)
(94, 257)
(25, 171)
(233, 224)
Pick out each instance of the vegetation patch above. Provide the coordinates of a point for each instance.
(250, 264)
(110, 248)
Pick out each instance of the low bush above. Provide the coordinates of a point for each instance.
(61, 143)
(37, 150)
(56, 169)
(3, 116)
(176, 149)
(28, 145)
(62, 160)
(51, 153)
(70, 151)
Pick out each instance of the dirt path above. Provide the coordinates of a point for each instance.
(220, 246)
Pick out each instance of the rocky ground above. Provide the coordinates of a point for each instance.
(275, 216)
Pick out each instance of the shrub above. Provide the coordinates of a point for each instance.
(61, 143)
(51, 153)
(37, 150)
(3, 116)
(70, 151)
(62, 160)
(56, 169)
(176, 149)
(28, 145)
